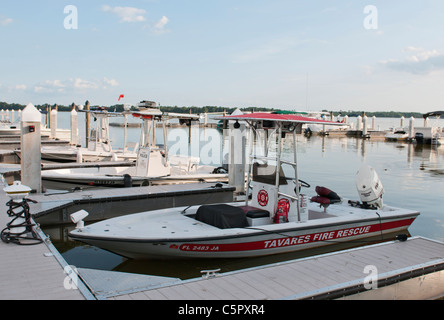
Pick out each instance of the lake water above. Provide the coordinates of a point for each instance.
(413, 177)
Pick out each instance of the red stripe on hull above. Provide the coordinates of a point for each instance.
(297, 240)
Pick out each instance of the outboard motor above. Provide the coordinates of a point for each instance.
(419, 137)
(369, 187)
(127, 181)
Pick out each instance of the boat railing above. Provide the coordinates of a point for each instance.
(255, 157)
(287, 196)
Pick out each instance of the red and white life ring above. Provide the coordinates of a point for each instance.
(262, 198)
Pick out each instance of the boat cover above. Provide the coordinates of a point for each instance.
(222, 216)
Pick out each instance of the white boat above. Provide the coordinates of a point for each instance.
(99, 143)
(276, 220)
(154, 165)
(322, 129)
(432, 135)
(397, 135)
(8, 128)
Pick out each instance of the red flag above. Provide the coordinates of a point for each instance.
(121, 96)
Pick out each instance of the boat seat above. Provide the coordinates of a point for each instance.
(321, 200)
(222, 216)
(252, 212)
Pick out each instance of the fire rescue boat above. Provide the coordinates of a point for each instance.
(278, 218)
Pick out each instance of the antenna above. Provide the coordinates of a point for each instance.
(306, 91)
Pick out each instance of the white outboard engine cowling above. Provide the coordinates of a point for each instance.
(369, 186)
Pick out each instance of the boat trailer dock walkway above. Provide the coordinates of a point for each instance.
(403, 270)
(39, 271)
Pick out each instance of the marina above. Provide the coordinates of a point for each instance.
(169, 285)
(222, 158)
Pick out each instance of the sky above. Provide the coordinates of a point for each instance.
(287, 54)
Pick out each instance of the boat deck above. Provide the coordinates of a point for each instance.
(329, 276)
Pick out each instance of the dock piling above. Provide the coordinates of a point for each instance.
(30, 144)
(54, 123)
(74, 129)
(411, 129)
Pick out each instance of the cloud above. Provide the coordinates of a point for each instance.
(13, 88)
(73, 84)
(418, 61)
(5, 21)
(55, 83)
(85, 84)
(159, 27)
(126, 14)
(110, 82)
(20, 87)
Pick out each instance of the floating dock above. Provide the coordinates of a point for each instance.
(413, 269)
(40, 272)
(13, 142)
(55, 208)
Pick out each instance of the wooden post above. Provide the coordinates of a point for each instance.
(30, 144)
(48, 117)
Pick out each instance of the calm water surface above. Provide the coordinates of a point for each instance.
(413, 177)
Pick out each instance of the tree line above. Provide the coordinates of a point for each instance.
(214, 109)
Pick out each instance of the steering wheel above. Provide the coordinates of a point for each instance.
(304, 184)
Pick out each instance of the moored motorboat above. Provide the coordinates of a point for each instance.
(397, 135)
(277, 219)
(154, 164)
(430, 134)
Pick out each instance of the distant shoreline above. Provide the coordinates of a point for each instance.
(214, 109)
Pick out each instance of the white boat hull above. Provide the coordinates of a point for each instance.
(114, 177)
(396, 137)
(71, 156)
(180, 239)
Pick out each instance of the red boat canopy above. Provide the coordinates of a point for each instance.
(260, 116)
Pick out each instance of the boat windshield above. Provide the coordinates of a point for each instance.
(265, 173)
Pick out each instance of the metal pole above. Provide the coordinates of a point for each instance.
(87, 120)
(295, 159)
(278, 166)
(250, 159)
(165, 139)
(125, 131)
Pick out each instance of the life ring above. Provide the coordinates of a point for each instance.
(262, 198)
